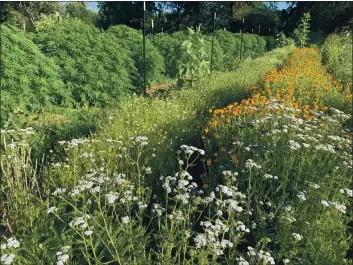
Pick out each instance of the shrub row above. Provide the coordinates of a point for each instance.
(71, 63)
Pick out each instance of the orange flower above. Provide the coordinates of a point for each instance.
(205, 186)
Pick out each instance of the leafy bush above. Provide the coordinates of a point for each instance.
(131, 40)
(29, 79)
(94, 66)
(270, 42)
(337, 56)
(230, 43)
(193, 62)
(167, 45)
(218, 58)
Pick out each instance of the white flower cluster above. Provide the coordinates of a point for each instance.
(312, 185)
(141, 140)
(210, 237)
(242, 228)
(261, 255)
(7, 258)
(293, 145)
(125, 219)
(325, 147)
(297, 237)
(347, 191)
(11, 243)
(234, 200)
(176, 215)
(269, 176)
(158, 209)
(249, 164)
(80, 221)
(189, 150)
(242, 261)
(340, 206)
(62, 255)
(91, 182)
(302, 195)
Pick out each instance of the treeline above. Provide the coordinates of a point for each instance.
(72, 63)
(327, 17)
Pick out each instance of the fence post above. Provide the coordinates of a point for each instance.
(152, 32)
(144, 50)
(214, 28)
(241, 40)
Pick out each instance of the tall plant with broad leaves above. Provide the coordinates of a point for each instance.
(193, 61)
(302, 32)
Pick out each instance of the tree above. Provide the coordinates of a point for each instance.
(25, 15)
(126, 13)
(80, 11)
(325, 16)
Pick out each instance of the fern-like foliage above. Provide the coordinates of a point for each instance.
(95, 67)
(131, 40)
(29, 80)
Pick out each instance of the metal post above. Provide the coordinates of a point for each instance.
(214, 29)
(144, 51)
(241, 41)
(152, 32)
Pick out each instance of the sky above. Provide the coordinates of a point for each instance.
(94, 5)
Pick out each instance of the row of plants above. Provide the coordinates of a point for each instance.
(291, 149)
(72, 64)
(28, 188)
(259, 201)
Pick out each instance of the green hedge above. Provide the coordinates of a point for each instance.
(29, 79)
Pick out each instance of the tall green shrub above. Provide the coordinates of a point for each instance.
(93, 65)
(131, 40)
(337, 56)
(29, 79)
(167, 46)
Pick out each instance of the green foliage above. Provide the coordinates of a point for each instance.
(337, 56)
(93, 65)
(302, 32)
(131, 40)
(79, 10)
(193, 62)
(167, 44)
(29, 79)
(218, 58)
(230, 43)
(316, 37)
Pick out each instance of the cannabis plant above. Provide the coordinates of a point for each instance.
(302, 32)
(29, 81)
(131, 40)
(94, 66)
(193, 61)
